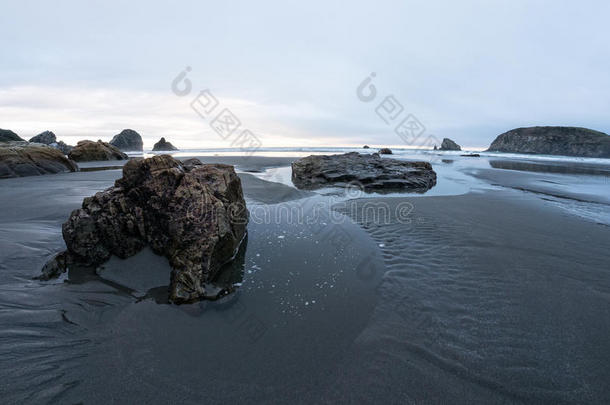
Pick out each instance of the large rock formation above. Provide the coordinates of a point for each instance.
(567, 141)
(371, 171)
(128, 140)
(6, 135)
(86, 151)
(18, 159)
(194, 215)
(48, 138)
(163, 145)
(448, 144)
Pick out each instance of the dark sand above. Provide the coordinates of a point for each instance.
(487, 297)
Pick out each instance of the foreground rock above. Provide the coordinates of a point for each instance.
(128, 140)
(385, 151)
(163, 145)
(48, 138)
(567, 141)
(195, 216)
(87, 151)
(371, 171)
(6, 135)
(19, 159)
(448, 144)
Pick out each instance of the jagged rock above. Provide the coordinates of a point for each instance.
(19, 159)
(448, 144)
(86, 151)
(567, 141)
(163, 145)
(195, 216)
(6, 135)
(128, 140)
(48, 138)
(385, 151)
(371, 171)
(365, 147)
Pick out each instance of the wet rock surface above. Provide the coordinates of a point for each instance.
(128, 140)
(566, 141)
(193, 215)
(370, 171)
(87, 151)
(19, 159)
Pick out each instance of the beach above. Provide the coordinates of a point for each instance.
(493, 286)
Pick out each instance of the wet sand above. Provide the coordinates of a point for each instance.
(492, 296)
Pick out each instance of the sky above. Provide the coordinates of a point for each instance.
(290, 71)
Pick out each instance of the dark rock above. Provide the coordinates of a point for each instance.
(567, 141)
(196, 217)
(48, 138)
(471, 155)
(385, 151)
(192, 162)
(61, 146)
(371, 171)
(435, 147)
(128, 140)
(163, 145)
(19, 159)
(365, 147)
(6, 135)
(448, 144)
(86, 151)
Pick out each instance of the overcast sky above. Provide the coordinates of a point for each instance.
(289, 70)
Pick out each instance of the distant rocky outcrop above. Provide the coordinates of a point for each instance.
(448, 144)
(370, 171)
(385, 151)
(365, 147)
(128, 140)
(86, 151)
(195, 216)
(567, 141)
(6, 135)
(19, 159)
(163, 145)
(48, 138)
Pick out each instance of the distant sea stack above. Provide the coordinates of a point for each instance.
(128, 140)
(163, 145)
(567, 141)
(6, 135)
(448, 144)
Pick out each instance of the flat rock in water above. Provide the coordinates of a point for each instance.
(87, 151)
(194, 216)
(566, 141)
(19, 159)
(371, 171)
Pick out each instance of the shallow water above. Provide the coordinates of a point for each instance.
(490, 290)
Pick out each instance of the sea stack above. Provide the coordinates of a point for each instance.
(566, 141)
(448, 144)
(48, 138)
(128, 141)
(163, 145)
(6, 135)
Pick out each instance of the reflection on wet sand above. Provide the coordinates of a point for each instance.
(551, 167)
